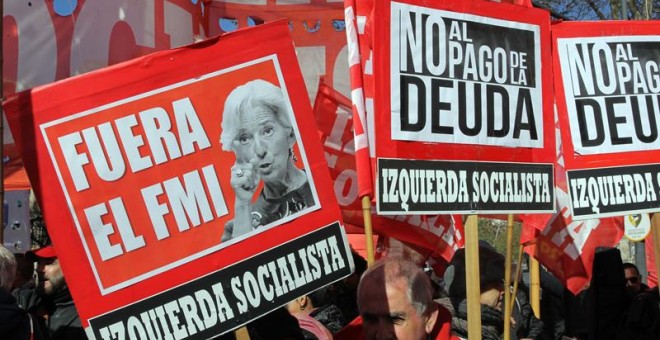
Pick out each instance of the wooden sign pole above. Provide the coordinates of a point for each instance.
(535, 286)
(507, 278)
(473, 291)
(368, 229)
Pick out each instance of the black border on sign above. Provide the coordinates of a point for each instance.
(224, 276)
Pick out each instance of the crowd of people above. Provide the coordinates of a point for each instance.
(398, 297)
(35, 302)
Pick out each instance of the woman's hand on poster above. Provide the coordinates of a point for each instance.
(244, 180)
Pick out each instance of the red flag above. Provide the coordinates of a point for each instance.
(356, 13)
(440, 235)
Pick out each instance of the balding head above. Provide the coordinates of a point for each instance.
(395, 298)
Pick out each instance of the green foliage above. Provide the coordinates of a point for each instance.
(494, 232)
(603, 9)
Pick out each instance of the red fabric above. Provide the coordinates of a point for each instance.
(358, 242)
(15, 177)
(357, 50)
(441, 331)
(47, 252)
(100, 281)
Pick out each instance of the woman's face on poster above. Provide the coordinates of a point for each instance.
(264, 142)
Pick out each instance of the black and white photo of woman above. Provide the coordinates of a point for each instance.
(256, 126)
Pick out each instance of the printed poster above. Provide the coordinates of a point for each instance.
(607, 78)
(464, 94)
(172, 170)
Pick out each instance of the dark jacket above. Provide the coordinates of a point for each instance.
(329, 316)
(492, 322)
(641, 320)
(26, 296)
(527, 324)
(63, 321)
(16, 323)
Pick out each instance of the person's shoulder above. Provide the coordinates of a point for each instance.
(443, 312)
(442, 329)
(352, 331)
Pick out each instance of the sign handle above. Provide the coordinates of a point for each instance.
(517, 275)
(472, 277)
(242, 334)
(507, 278)
(535, 286)
(655, 229)
(368, 229)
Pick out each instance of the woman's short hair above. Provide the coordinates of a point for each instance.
(253, 95)
(7, 269)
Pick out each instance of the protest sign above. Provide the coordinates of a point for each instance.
(608, 98)
(463, 82)
(144, 167)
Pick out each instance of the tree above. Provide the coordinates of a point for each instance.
(602, 9)
(493, 231)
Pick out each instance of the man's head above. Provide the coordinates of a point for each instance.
(395, 299)
(633, 279)
(50, 279)
(7, 269)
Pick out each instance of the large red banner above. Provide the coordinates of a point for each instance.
(464, 108)
(608, 99)
(157, 172)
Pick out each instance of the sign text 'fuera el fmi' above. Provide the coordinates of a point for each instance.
(157, 187)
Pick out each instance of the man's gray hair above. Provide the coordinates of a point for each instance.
(392, 270)
(7, 269)
(253, 95)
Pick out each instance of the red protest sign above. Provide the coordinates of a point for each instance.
(149, 171)
(463, 82)
(608, 98)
